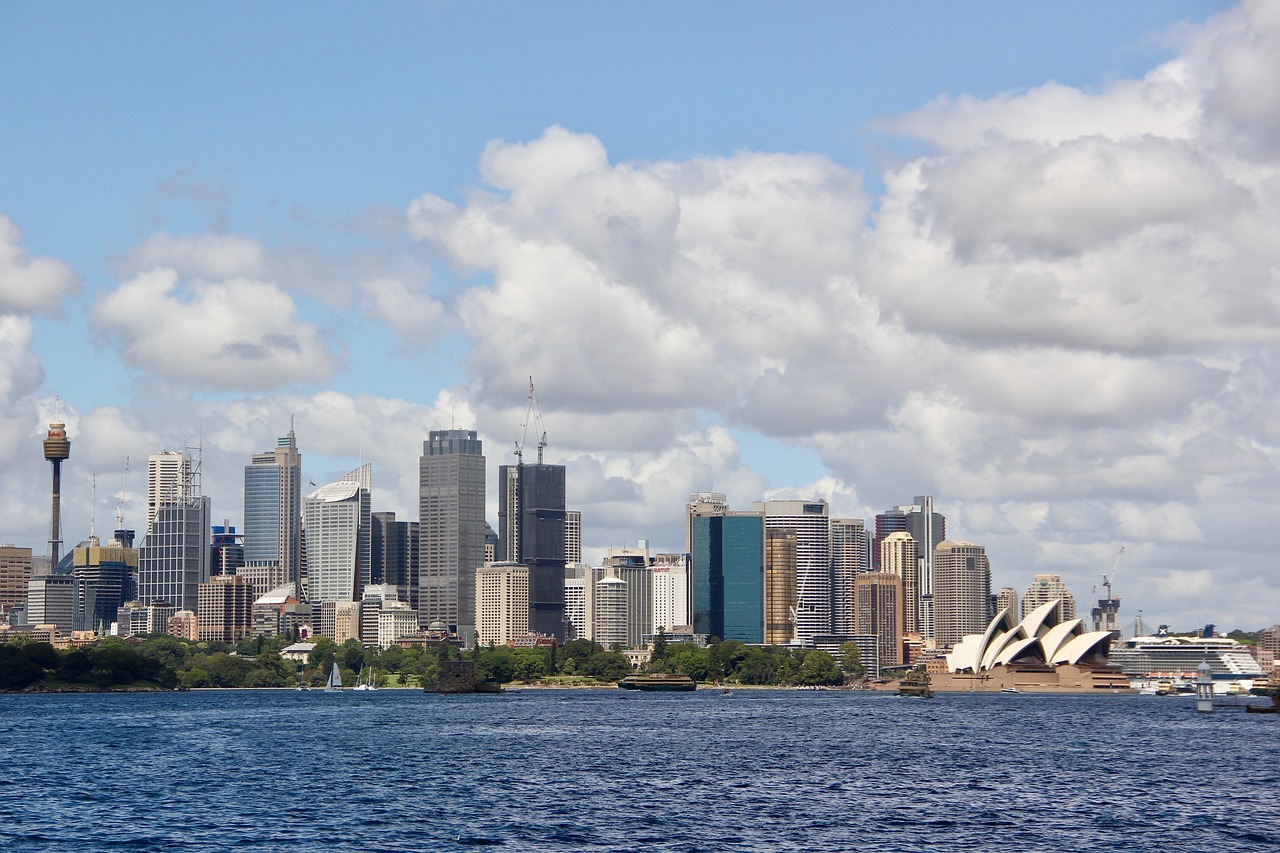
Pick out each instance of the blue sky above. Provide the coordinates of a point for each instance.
(407, 196)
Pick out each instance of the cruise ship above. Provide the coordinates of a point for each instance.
(1167, 656)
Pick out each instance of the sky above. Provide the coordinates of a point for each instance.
(1019, 257)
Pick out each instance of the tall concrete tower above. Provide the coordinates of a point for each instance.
(56, 448)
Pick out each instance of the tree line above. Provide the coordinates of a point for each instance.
(161, 662)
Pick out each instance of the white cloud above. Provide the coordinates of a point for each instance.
(236, 333)
(408, 312)
(211, 256)
(31, 285)
(1059, 322)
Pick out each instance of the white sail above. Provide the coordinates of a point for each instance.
(335, 679)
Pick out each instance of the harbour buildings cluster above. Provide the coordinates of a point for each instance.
(320, 561)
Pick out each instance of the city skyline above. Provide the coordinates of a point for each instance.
(864, 272)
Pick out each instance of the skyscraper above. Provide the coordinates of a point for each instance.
(850, 557)
(168, 473)
(701, 503)
(632, 566)
(728, 575)
(1008, 597)
(57, 447)
(502, 602)
(880, 614)
(1045, 588)
(813, 560)
(779, 586)
(671, 592)
(225, 610)
(928, 528)
(531, 527)
(15, 571)
(175, 555)
(572, 536)
(900, 555)
(395, 555)
(962, 590)
(339, 552)
(273, 513)
(452, 527)
(107, 570)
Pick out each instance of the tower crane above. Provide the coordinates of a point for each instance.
(120, 502)
(1106, 610)
(531, 411)
(1107, 578)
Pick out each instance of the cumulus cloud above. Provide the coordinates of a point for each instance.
(30, 285)
(1058, 321)
(234, 333)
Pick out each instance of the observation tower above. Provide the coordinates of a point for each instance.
(56, 448)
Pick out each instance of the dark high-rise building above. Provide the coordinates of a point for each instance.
(451, 529)
(227, 556)
(395, 555)
(728, 575)
(109, 572)
(531, 528)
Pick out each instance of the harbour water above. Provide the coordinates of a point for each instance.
(622, 770)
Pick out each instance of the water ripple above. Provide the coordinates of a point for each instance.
(584, 770)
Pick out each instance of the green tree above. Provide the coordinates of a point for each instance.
(687, 659)
(851, 659)
(659, 645)
(758, 667)
(351, 655)
(531, 664)
(819, 667)
(17, 669)
(607, 666)
(495, 664)
(168, 651)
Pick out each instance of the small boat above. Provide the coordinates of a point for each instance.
(334, 683)
(659, 682)
(1009, 690)
(302, 687)
(361, 684)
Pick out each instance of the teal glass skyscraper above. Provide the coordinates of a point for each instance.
(728, 576)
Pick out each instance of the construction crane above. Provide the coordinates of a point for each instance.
(1106, 610)
(120, 502)
(531, 412)
(1107, 578)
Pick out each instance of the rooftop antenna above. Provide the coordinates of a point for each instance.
(93, 511)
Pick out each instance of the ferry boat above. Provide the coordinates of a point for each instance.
(658, 682)
(916, 683)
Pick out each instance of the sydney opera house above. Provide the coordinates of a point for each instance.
(1042, 653)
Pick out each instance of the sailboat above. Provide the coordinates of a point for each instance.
(361, 684)
(335, 680)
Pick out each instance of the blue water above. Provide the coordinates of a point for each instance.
(613, 770)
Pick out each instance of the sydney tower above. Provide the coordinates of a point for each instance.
(56, 448)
